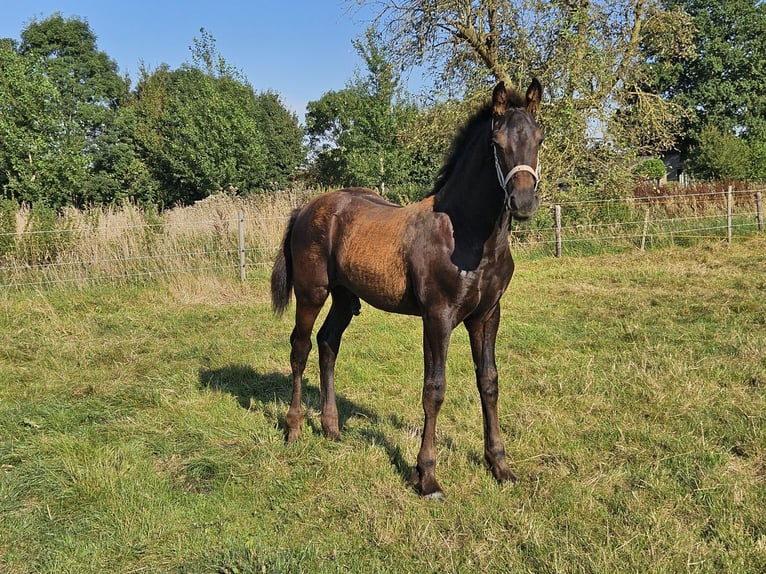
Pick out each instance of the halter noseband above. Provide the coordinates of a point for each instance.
(503, 180)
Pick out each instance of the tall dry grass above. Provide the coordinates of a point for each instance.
(130, 243)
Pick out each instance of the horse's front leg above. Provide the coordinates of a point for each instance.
(483, 332)
(435, 343)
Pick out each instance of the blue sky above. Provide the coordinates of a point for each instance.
(297, 48)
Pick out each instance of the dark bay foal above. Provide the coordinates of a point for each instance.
(445, 259)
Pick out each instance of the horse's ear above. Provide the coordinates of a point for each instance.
(534, 95)
(499, 99)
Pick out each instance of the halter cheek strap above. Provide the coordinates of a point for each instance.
(503, 180)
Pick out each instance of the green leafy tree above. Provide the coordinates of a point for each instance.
(87, 78)
(283, 139)
(356, 132)
(198, 133)
(202, 129)
(720, 154)
(61, 100)
(724, 84)
(118, 172)
(33, 165)
(722, 88)
(328, 124)
(757, 160)
(89, 89)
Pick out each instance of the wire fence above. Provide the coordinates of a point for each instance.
(235, 238)
(613, 225)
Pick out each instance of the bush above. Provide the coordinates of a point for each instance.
(719, 155)
(757, 160)
(651, 169)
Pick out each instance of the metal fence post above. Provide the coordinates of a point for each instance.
(241, 218)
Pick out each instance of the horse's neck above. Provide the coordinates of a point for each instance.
(472, 197)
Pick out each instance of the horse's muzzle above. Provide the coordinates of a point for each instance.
(523, 205)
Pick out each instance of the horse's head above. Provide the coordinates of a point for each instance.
(516, 140)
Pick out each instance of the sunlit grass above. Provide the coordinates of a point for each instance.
(141, 429)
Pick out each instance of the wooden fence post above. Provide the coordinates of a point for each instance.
(759, 209)
(557, 228)
(241, 218)
(729, 208)
(646, 227)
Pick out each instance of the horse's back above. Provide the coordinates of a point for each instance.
(337, 212)
(350, 198)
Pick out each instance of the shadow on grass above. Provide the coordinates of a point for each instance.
(254, 390)
(247, 385)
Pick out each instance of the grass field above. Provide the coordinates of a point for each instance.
(141, 429)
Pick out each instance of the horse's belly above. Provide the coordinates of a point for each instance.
(380, 281)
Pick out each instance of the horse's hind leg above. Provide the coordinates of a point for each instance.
(344, 305)
(306, 310)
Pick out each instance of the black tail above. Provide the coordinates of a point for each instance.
(282, 272)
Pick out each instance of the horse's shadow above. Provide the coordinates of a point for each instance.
(263, 391)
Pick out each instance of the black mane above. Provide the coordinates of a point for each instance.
(465, 134)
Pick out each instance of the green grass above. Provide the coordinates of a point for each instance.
(141, 429)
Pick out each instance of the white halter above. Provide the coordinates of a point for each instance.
(504, 179)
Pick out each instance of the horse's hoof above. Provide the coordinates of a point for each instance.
(293, 435)
(430, 489)
(437, 495)
(333, 436)
(504, 475)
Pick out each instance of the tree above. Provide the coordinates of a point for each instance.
(722, 88)
(33, 166)
(89, 90)
(118, 172)
(757, 160)
(586, 53)
(281, 132)
(72, 133)
(720, 155)
(356, 132)
(724, 84)
(198, 133)
(89, 85)
(202, 129)
(283, 138)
